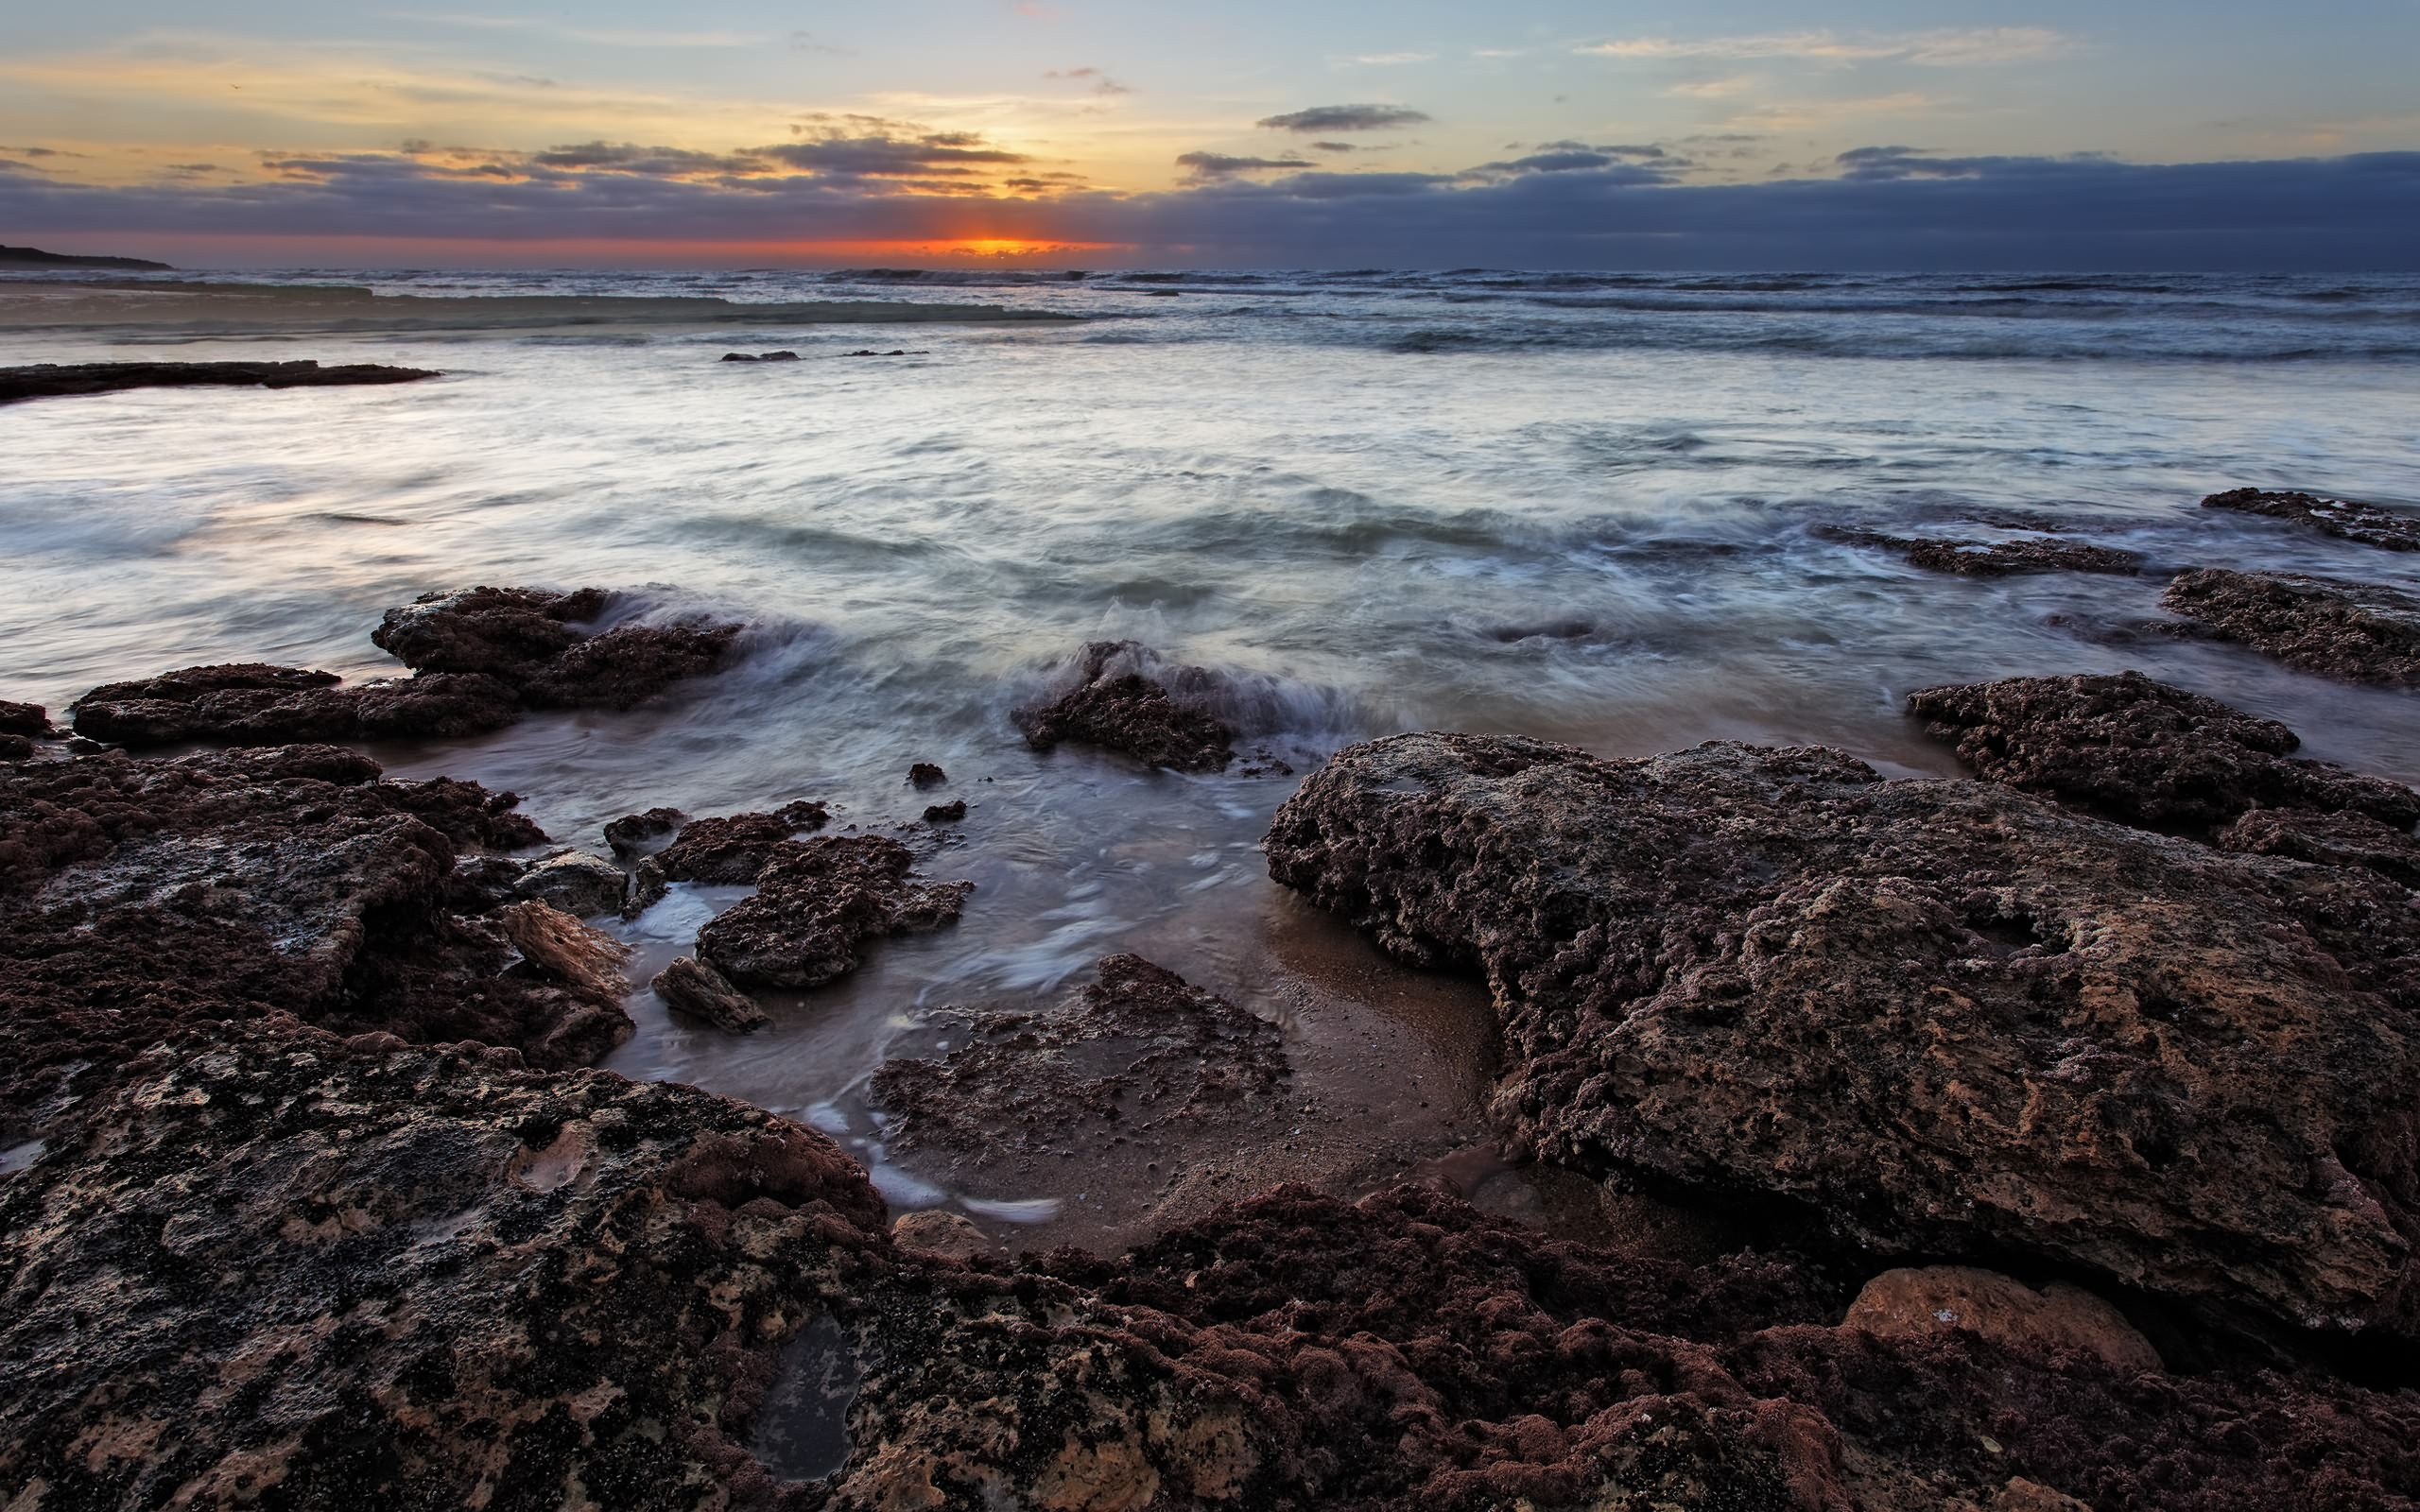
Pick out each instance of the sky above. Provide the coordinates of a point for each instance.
(1853, 134)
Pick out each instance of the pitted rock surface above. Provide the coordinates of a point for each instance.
(1141, 1057)
(1117, 705)
(1950, 1017)
(535, 641)
(2146, 753)
(817, 903)
(1992, 558)
(730, 851)
(2368, 524)
(2354, 632)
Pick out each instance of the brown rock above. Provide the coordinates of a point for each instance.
(1952, 1017)
(48, 380)
(580, 884)
(1116, 706)
(944, 813)
(627, 836)
(1928, 1301)
(564, 950)
(2354, 632)
(536, 642)
(697, 988)
(925, 774)
(728, 852)
(2144, 752)
(817, 903)
(2328, 840)
(1992, 558)
(941, 1233)
(2368, 524)
(30, 720)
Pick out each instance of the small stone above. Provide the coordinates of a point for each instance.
(943, 813)
(580, 884)
(695, 988)
(936, 1233)
(925, 774)
(629, 835)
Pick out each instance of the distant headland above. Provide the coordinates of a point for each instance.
(15, 257)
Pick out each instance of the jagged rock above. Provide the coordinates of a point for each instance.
(136, 895)
(580, 884)
(273, 1266)
(2144, 752)
(925, 774)
(1992, 558)
(1115, 705)
(15, 748)
(1142, 1054)
(728, 852)
(1925, 1300)
(563, 949)
(2328, 840)
(49, 380)
(945, 813)
(648, 888)
(695, 988)
(2354, 632)
(2368, 524)
(533, 640)
(1950, 1016)
(629, 835)
(817, 903)
(30, 720)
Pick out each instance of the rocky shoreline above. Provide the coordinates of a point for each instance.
(54, 380)
(2061, 1118)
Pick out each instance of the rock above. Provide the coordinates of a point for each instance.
(2144, 752)
(533, 640)
(15, 748)
(2021, 1495)
(1141, 1055)
(925, 774)
(1951, 1018)
(30, 720)
(1992, 558)
(2354, 632)
(1928, 1301)
(648, 889)
(817, 903)
(739, 356)
(2328, 840)
(318, 1259)
(47, 380)
(803, 814)
(2368, 524)
(1115, 706)
(561, 949)
(728, 852)
(945, 813)
(760, 356)
(255, 704)
(629, 835)
(936, 1233)
(135, 896)
(580, 884)
(697, 988)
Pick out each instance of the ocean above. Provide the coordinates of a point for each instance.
(1589, 507)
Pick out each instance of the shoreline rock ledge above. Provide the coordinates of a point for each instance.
(1951, 1018)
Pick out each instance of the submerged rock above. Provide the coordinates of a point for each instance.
(2366, 524)
(49, 380)
(1950, 1016)
(1992, 558)
(629, 835)
(697, 988)
(945, 813)
(1116, 707)
(535, 641)
(1142, 1056)
(817, 903)
(2144, 752)
(2356, 632)
(925, 773)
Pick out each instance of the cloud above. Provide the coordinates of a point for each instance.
(1386, 59)
(595, 36)
(1334, 147)
(656, 161)
(1714, 88)
(1103, 83)
(1339, 118)
(1203, 167)
(1941, 49)
(1878, 207)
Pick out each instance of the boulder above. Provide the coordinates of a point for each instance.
(2354, 632)
(580, 884)
(1116, 706)
(1948, 1017)
(817, 903)
(727, 851)
(2368, 524)
(538, 642)
(2146, 753)
(697, 988)
(1923, 1301)
(629, 835)
(1992, 558)
(30, 720)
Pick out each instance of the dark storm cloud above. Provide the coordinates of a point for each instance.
(1881, 208)
(1341, 118)
(1207, 165)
